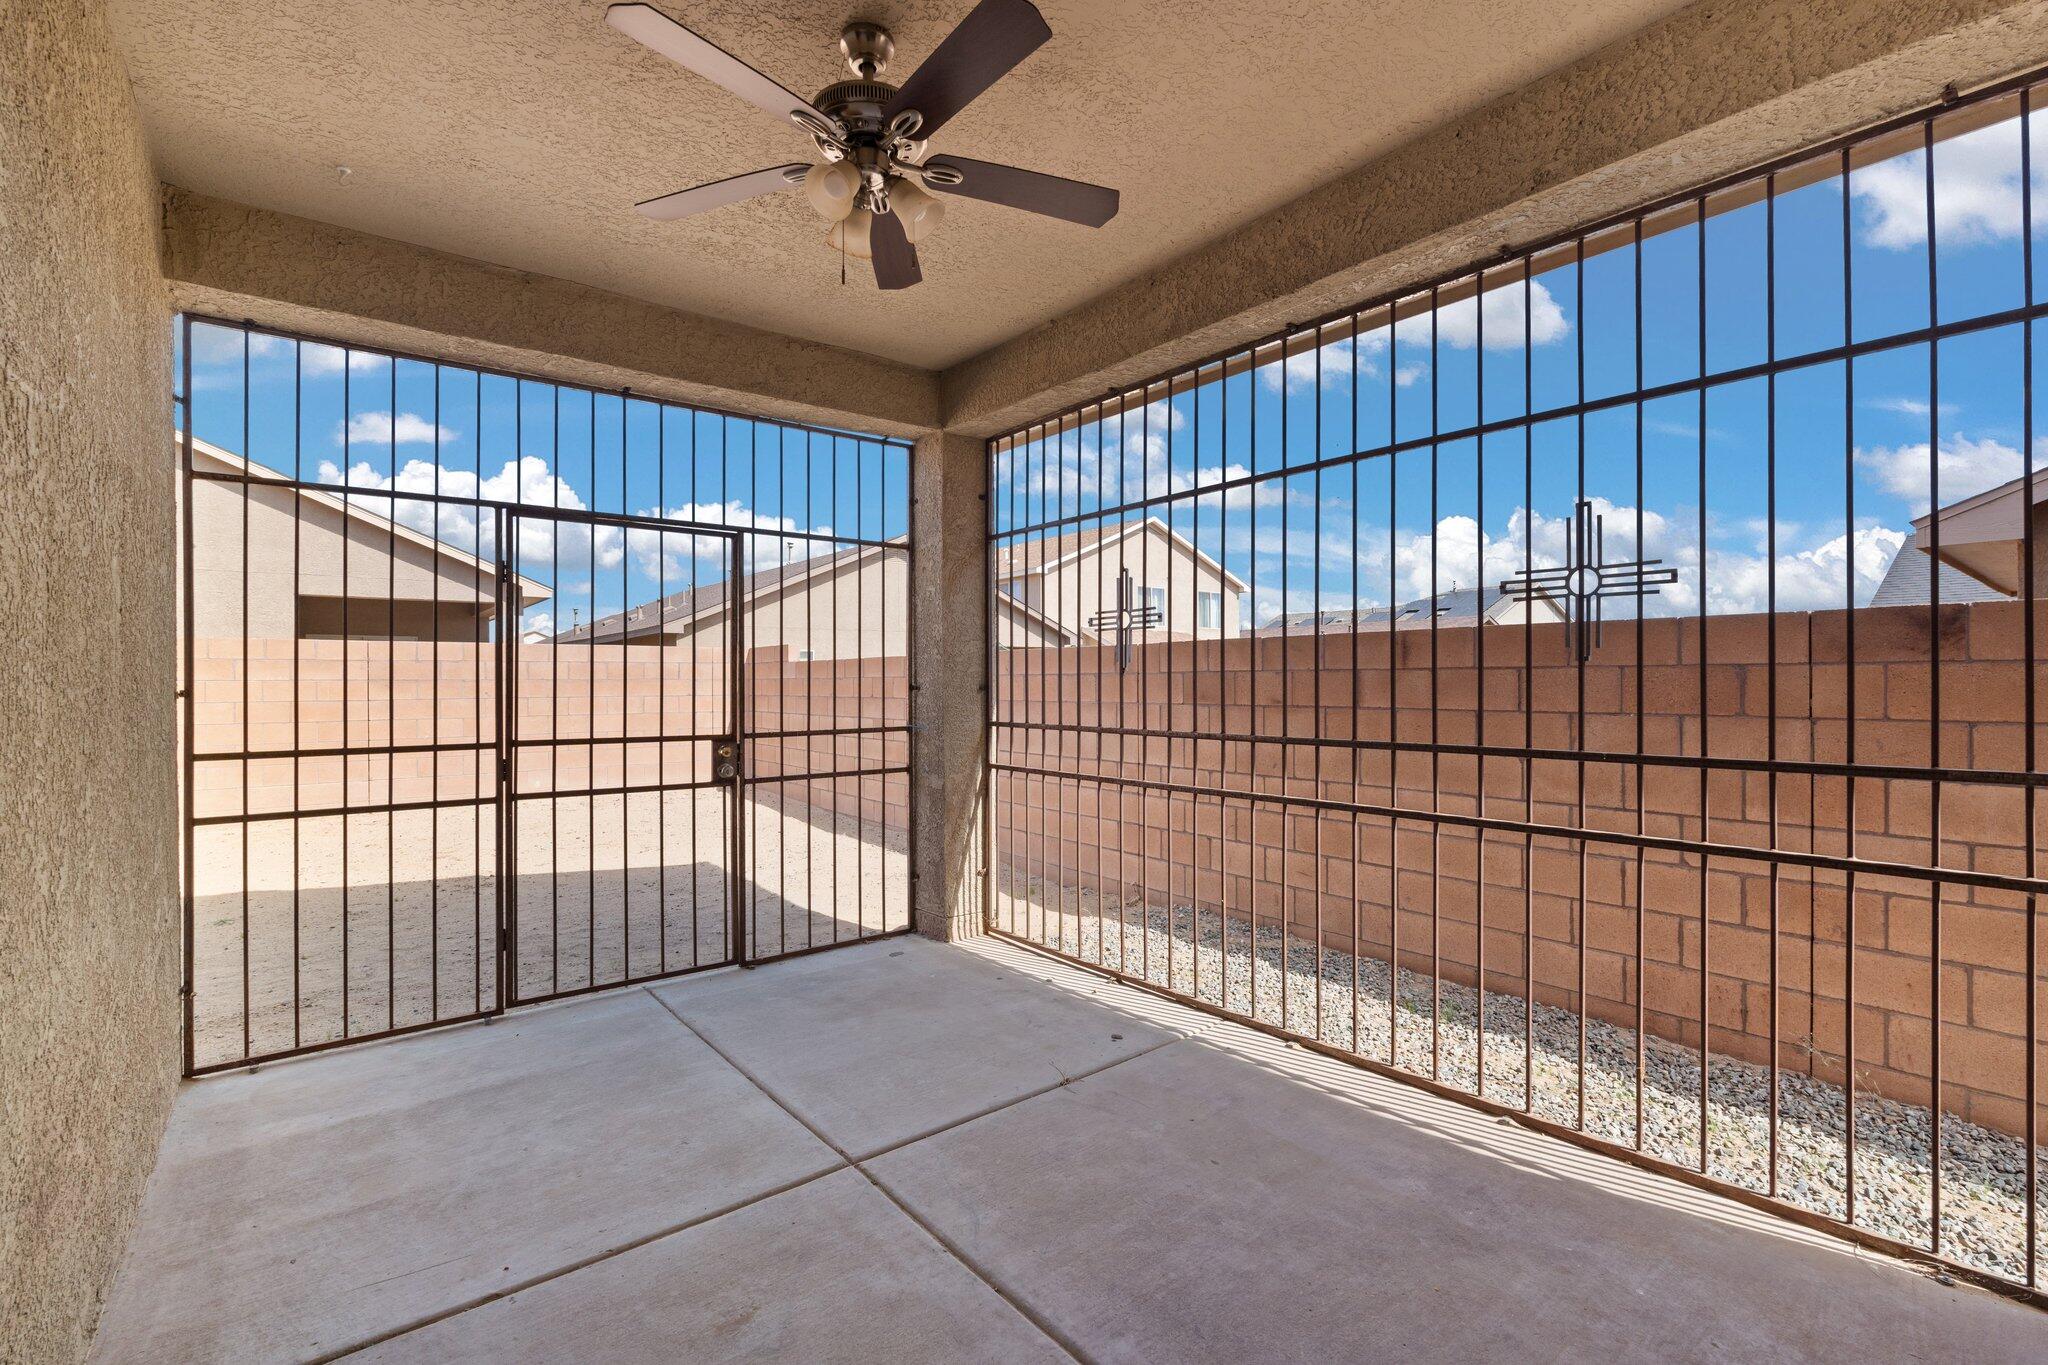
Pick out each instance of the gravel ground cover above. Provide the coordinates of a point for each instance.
(1983, 1172)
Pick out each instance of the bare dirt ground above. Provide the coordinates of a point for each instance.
(609, 889)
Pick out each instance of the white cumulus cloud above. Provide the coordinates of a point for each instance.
(1967, 466)
(379, 428)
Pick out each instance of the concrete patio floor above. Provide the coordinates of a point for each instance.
(906, 1151)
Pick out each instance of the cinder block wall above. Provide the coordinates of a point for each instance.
(88, 870)
(277, 696)
(1247, 856)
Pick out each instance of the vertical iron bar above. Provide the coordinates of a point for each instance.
(1527, 764)
(1934, 890)
(736, 849)
(433, 652)
(1436, 800)
(2031, 1216)
(661, 793)
(191, 686)
(1771, 642)
(248, 827)
(1848, 717)
(298, 634)
(1316, 676)
(1642, 1022)
(390, 722)
(1479, 690)
(476, 732)
(590, 733)
(1706, 711)
(347, 477)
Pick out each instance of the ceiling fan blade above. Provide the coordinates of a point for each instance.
(1077, 201)
(649, 26)
(719, 193)
(993, 38)
(895, 257)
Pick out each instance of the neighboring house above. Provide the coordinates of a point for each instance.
(1983, 548)
(1458, 607)
(1905, 582)
(849, 604)
(1067, 579)
(401, 583)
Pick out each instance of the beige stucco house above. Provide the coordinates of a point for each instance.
(307, 553)
(1984, 536)
(1070, 578)
(848, 604)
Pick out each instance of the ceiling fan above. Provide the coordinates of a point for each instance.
(872, 184)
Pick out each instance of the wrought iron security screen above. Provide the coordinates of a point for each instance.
(499, 690)
(1600, 685)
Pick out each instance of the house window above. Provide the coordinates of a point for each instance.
(1208, 610)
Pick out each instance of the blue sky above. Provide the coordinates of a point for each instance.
(328, 415)
(1362, 532)
(1495, 509)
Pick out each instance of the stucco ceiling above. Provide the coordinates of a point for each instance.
(520, 132)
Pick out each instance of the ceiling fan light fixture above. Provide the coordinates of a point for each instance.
(850, 234)
(830, 188)
(921, 213)
(872, 135)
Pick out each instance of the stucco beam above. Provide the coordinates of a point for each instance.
(1717, 88)
(231, 260)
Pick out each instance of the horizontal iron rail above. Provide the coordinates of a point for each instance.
(2027, 313)
(1836, 147)
(538, 511)
(768, 779)
(624, 983)
(569, 385)
(250, 1063)
(815, 948)
(1649, 758)
(1663, 843)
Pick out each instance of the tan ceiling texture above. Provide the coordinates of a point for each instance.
(520, 132)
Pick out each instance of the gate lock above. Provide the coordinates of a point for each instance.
(727, 755)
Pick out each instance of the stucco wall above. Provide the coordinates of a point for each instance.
(88, 941)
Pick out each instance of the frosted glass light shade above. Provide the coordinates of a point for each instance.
(830, 187)
(921, 213)
(851, 233)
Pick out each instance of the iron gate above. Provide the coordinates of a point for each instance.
(415, 793)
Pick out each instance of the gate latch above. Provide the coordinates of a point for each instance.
(727, 755)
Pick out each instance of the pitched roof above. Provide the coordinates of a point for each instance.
(679, 608)
(1044, 552)
(531, 591)
(1459, 606)
(1906, 583)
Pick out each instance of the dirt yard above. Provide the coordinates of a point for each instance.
(609, 889)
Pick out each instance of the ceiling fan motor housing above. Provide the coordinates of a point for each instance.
(857, 104)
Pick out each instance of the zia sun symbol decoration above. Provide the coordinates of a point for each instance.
(1126, 618)
(1585, 579)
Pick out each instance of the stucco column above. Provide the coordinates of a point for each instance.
(949, 703)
